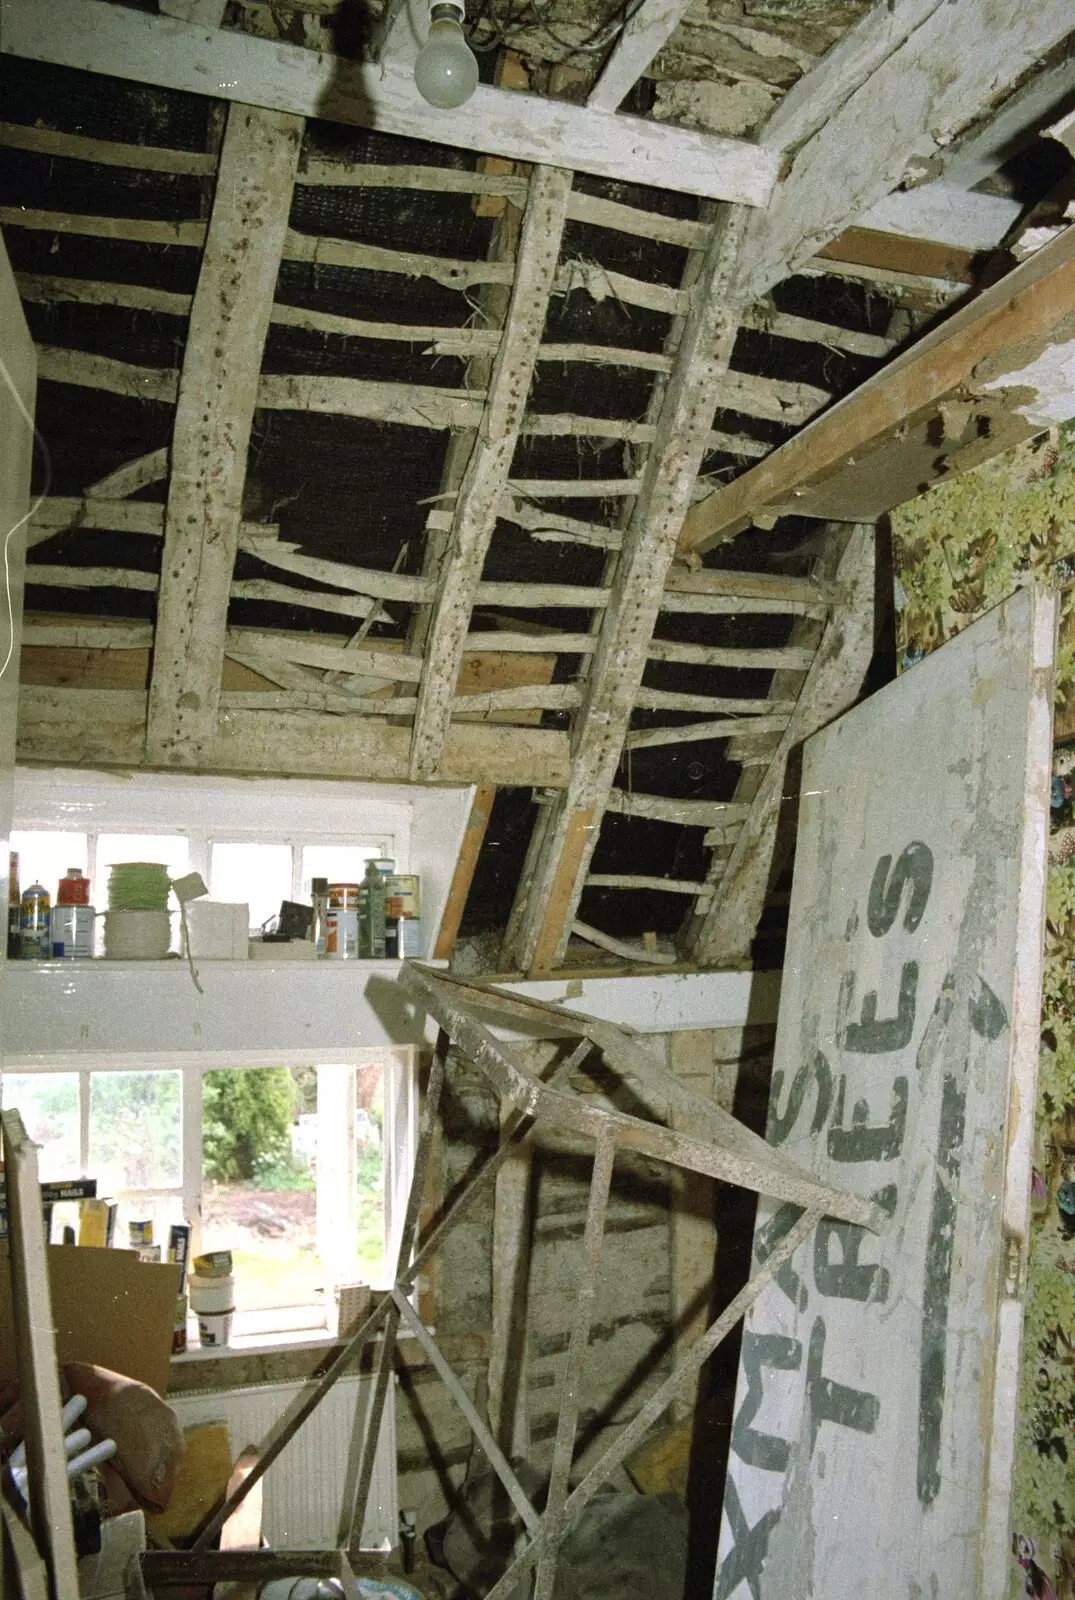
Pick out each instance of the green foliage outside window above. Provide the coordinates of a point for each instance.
(246, 1121)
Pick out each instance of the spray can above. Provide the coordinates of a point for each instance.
(35, 937)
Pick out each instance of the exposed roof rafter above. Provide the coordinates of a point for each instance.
(218, 390)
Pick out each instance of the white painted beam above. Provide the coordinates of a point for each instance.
(810, 103)
(946, 214)
(111, 39)
(650, 25)
(206, 13)
(946, 76)
(400, 31)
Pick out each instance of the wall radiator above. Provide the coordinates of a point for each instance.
(304, 1488)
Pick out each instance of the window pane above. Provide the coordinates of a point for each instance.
(339, 863)
(258, 875)
(258, 1196)
(44, 857)
(48, 1102)
(135, 1130)
(369, 1171)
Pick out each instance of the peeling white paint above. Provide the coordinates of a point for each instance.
(1052, 375)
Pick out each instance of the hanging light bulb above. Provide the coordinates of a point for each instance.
(445, 71)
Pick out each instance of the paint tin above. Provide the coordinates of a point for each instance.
(341, 921)
(72, 930)
(403, 900)
(214, 1329)
(341, 935)
(410, 938)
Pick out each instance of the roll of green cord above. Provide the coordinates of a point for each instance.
(138, 886)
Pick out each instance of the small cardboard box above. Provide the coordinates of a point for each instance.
(108, 1308)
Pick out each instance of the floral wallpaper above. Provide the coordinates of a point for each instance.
(958, 550)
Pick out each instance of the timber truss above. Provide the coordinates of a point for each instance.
(719, 1147)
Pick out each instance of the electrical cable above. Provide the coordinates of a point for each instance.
(594, 43)
(29, 515)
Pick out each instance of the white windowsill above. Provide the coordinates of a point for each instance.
(255, 1344)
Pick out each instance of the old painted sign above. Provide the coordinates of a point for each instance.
(873, 1431)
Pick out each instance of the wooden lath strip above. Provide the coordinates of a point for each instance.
(705, 593)
(574, 276)
(449, 273)
(635, 880)
(106, 152)
(57, 577)
(693, 732)
(688, 813)
(409, 405)
(131, 476)
(442, 339)
(575, 488)
(318, 173)
(133, 229)
(87, 371)
(277, 651)
(486, 474)
(215, 411)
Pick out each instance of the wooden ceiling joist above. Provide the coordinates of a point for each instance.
(701, 361)
(878, 446)
(99, 37)
(214, 413)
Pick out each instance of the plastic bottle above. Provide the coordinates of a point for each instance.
(371, 914)
(34, 930)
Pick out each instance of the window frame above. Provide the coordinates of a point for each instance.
(399, 1141)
